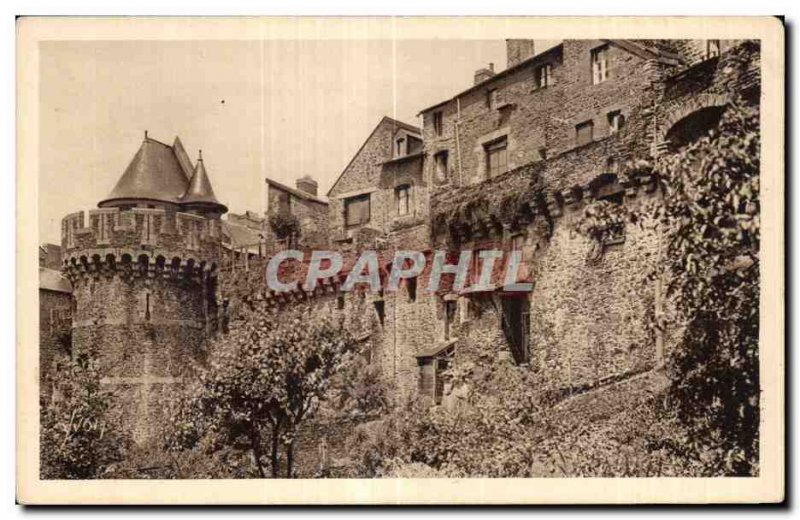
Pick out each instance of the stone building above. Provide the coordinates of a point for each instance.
(511, 163)
(55, 315)
(518, 156)
(300, 207)
(143, 272)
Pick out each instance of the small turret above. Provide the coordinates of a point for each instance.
(199, 196)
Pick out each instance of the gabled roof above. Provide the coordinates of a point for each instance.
(200, 190)
(300, 194)
(384, 119)
(154, 173)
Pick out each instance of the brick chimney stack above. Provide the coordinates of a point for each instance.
(307, 184)
(482, 75)
(519, 50)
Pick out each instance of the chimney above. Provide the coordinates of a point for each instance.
(307, 184)
(482, 75)
(519, 50)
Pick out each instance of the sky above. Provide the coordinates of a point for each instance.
(278, 108)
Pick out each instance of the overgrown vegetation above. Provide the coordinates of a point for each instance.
(265, 377)
(81, 429)
(711, 211)
(285, 226)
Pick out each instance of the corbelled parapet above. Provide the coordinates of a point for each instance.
(165, 242)
(145, 301)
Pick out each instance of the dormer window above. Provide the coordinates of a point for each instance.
(400, 147)
(599, 65)
(712, 49)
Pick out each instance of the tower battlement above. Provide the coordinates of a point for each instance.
(165, 240)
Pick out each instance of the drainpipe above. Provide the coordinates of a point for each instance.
(458, 144)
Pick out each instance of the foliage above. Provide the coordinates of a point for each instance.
(284, 225)
(508, 425)
(711, 211)
(81, 434)
(361, 392)
(264, 378)
(602, 220)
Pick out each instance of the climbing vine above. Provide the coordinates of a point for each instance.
(284, 226)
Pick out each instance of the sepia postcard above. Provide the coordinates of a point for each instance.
(400, 260)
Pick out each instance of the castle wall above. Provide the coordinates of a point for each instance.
(143, 283)
(591, 319)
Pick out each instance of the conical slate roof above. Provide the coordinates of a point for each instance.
(200, 190)
(154, 174)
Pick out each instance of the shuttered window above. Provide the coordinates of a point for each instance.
(356, 210)
(497, 157)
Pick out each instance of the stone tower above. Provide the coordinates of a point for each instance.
(143, 269)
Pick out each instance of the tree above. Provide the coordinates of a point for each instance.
(264, 378)
(711, 216)
(81, 434)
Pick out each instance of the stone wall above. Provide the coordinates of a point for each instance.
(144, 285)
(312, 215)
(366, 174)
(55, 327)
(590, 318)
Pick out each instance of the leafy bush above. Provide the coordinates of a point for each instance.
(712, 213)
(81, 428)
(264, 378)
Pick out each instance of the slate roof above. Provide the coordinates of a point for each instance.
(154, 174)
(300, 194)
(52, 280)
(237, 235)
(162, 173)
(200, 190)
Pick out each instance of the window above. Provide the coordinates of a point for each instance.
(542, 75)
(584, 133)
(400, 147)
(380, 310)
(516, 327)
(449, 317)
(440, 162)
(340, 302)
(437, 123)
(402, 196)
(491, 98)
(599, 65)
(432, 376)
(615, 122)
(356, 210)
(411, 287)
(712, 48)
(497, 157)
